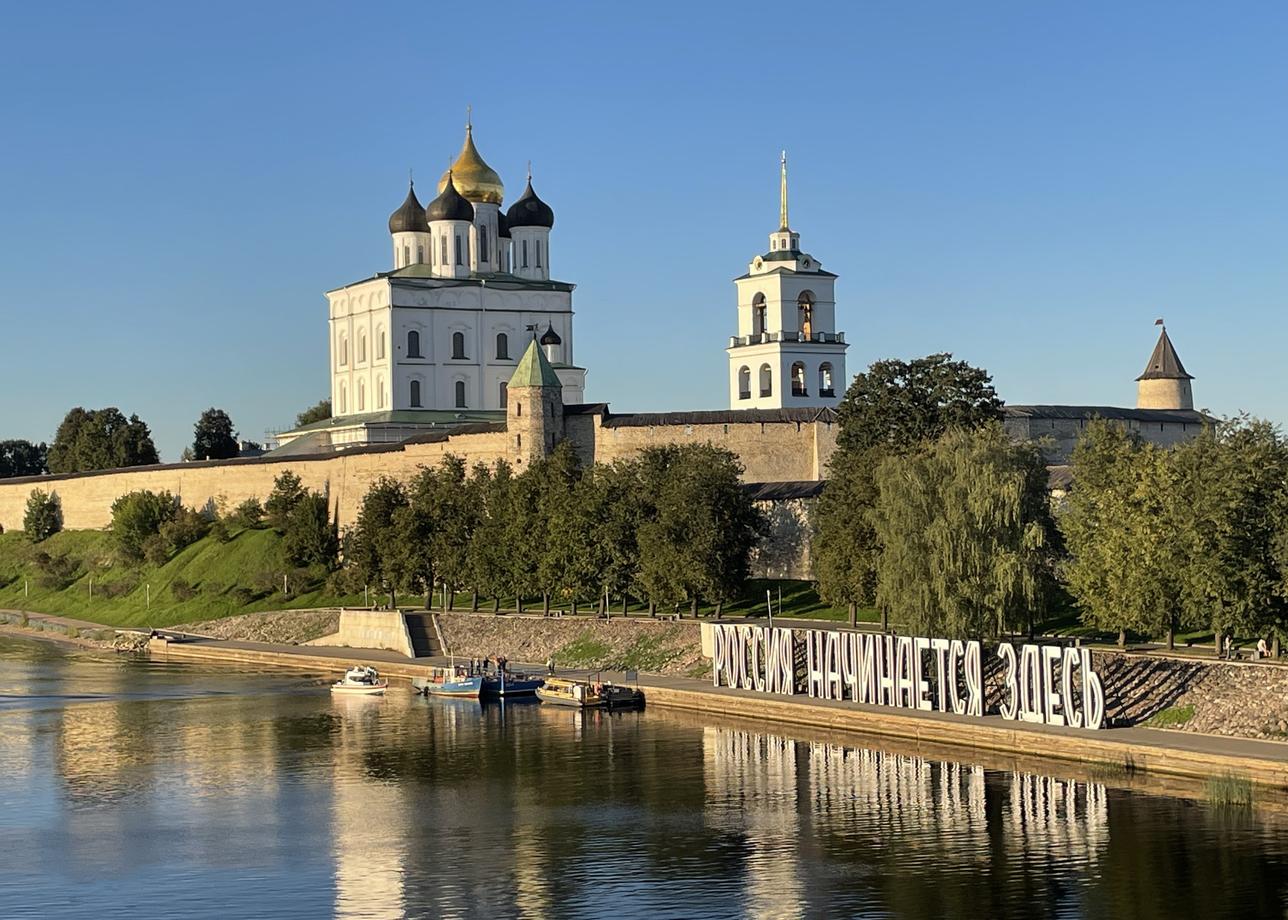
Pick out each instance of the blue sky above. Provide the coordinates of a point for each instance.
(1026, 185)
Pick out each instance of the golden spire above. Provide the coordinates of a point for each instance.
(782, 208)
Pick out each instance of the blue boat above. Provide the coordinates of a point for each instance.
(509, 684)
(449, 682)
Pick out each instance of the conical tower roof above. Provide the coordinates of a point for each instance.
(1164, 363)
(534, 369)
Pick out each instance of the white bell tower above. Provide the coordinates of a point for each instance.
(787, 353)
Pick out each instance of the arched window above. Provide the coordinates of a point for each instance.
(524, 263)
(825, 380)
(443, 246)
(518, 407)
(342, 350)
(538, 242)
(502, 347)
(344, 399)
(766, 380)
(518, 441)
(459, 260)
(744, 382)
(482, 243)
(420, 254)
(380, 343)
(362, 396)
(406, 255)
(805, 314)
(413, 344)
(380, 392)
(415, 394)
(798, 380)
(458, 346)
(758, 311)
(460, 394)
(505, 387)
(362, 347)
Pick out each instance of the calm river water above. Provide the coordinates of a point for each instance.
(137, 789)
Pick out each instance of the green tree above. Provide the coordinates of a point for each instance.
(490, 558)
(137, 517)
(565, 560)
(318, 413)
(248, 514)
(23, 458)
(213, 437)
(185, 528)
(44, 516)
(374, 545)
(967, 537)
(288, 491)
(892, 408)
(100, 439)
(896, 405)
(310, 538)
(440, 522)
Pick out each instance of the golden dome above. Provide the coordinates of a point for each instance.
(474, 179)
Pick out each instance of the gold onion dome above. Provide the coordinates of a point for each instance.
(474, 179)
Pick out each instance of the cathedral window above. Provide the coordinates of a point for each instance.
(482, 244)
(380, 344)
(406, 255)
(505, 387)
(344, 399)
(766, 380)
(825, 380)
(518, 409)
(362, 347)
(344, 351)
(458, 250)
(443, 246)
(413, 344)
(380, 392)
(502, 347)
(524, 263)
(538, 242)
(798, 380)
(460, 394)
(458, 346)
(362, 396)
(415, 394)
(744, 382)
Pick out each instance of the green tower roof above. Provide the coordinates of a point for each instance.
(534, 370)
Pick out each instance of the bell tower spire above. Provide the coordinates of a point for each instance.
(782, 195)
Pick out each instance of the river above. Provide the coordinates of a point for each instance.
(138, 789)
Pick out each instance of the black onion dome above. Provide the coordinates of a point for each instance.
(410, 216)
(449, 205)
(502, 225)
(550, 337)
(530, 211)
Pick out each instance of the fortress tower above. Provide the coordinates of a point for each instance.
(787, 353)
(1165, 383)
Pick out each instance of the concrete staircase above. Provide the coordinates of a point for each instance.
(424, 639)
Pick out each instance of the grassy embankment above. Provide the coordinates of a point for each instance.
(76, 574)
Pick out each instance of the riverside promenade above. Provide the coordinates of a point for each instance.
(1125, 750)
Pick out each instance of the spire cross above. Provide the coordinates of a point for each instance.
(782, 207)
(469, 118)
(529, 170)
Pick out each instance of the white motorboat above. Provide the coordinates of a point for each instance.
(360, 679)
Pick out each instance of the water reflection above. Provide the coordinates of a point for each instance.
(205, 792)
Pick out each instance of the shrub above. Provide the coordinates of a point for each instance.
(113, 589)
(242, 595)
(183, 590)
(219, 530)
(155, 550)
(287, 492)
(44, 516)
(249, 514)
(184, 529)
(56, 572)
(138, 516)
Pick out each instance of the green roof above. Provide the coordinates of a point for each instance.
(534, 369)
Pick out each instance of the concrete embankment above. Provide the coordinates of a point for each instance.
(1125, 751)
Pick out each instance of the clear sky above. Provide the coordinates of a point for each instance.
(1027, 185)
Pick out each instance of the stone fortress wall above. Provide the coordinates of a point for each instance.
(782, 446)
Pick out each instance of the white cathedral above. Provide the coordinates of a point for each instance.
(433, 342)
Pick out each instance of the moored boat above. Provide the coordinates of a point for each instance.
(449, 682)
(586, 694)
(510, 683)
(360, 679)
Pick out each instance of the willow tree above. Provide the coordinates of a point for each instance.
(967, 536)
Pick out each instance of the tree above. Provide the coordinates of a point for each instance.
(318, 413)
(288, 491)
(213, 437)
(896, 405)
(23, 458)
(44, 516)
(100, 439)
(374, 545)
(892, 408)
(562, 532)
(490, 559)
(138, 516)
(966, 534)
(310, 537)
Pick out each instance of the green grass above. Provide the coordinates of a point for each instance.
(1172, 717)
(582, 652)
(1229, 790)
(240, 576)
